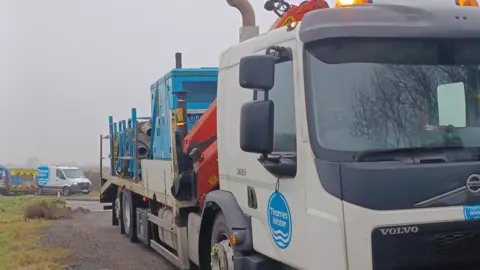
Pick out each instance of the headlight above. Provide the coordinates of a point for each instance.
(75, 184)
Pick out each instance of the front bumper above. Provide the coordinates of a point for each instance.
(81, 188)
(442, 240)
(436, 246)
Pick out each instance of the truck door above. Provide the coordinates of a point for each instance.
(277, 206)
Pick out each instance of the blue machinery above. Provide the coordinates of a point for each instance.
(156, 137)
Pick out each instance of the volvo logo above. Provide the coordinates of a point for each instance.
(473, 183)
(400, 230)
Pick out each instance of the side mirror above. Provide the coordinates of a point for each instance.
(257, 72)
(256, 127)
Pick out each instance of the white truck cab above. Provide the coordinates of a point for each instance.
(357, 178)
(67, 180)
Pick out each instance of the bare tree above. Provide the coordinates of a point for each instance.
(398, 101)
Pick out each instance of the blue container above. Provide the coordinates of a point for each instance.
(16, 180)
(201, 87)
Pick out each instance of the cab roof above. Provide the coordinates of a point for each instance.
(389, 20)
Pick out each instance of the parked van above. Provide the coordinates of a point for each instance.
(66, 180)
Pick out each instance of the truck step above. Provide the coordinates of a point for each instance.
(168, 255)
(181, 258)
(160, 222)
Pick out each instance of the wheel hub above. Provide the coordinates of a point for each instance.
(221, 256)
(117, 208)
(126, 216)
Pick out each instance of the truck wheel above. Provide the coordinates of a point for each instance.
(221, 251)
(119, 211)
(66, 191)
(129, 216)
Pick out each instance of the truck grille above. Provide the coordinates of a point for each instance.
(84, 185)
(438, 246)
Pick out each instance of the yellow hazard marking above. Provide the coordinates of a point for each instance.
(212, 180)
(288, 20)
(23, 172)
(180, 117)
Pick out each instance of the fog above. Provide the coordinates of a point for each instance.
(67, 65)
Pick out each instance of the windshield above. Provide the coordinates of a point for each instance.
(367, 94)
(73, 173)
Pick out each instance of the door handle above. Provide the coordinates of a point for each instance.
(252, 197)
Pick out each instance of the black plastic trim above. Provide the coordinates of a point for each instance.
(237, 221)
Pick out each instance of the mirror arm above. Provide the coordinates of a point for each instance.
(280, 53)
(279, 166)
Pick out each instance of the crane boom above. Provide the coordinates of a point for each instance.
(288, 13)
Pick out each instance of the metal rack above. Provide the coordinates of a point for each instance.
(125, 134)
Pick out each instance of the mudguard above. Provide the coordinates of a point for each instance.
(238, 222)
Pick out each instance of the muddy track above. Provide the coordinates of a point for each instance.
(96, 245)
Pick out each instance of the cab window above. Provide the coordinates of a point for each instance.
(60, 174)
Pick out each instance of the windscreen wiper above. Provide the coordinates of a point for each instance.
(403, 153)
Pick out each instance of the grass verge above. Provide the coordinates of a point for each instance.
(19, 239)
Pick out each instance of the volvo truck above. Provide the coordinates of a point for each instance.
(346, 137)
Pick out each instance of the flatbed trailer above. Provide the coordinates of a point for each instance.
(15, 181)
(150, 185)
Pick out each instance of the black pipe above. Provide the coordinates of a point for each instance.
(178, 60)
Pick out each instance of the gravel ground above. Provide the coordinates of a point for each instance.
(96, 245)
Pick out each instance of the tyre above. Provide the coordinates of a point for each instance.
(119, 211)
(66, 191)
(129, 216)
(86, 193)
(221, 251)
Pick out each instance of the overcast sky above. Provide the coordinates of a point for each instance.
(66, 65)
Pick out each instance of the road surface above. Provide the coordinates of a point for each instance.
(96, 245)
(93, 206)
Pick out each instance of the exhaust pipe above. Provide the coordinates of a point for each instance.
(246, 10)
(248, 29)
(178, 60)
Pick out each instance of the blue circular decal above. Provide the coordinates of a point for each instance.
(3, 173)
(471, 212)
(279, 220)
(43, 175)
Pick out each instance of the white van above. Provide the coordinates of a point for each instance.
(67, 180)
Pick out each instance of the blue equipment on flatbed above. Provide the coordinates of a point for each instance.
(158, 136)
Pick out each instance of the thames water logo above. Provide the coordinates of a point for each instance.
(43, 175)
(279, 220)
(471, 212)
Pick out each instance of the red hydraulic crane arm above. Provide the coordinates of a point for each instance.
(201, 145)
(292, 13)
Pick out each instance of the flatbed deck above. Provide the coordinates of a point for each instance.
(139, 188)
